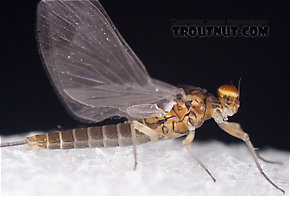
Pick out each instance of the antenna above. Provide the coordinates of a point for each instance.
(239, 87)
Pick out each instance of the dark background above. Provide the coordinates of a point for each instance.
(28, 101)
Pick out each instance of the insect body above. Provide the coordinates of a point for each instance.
(98, 76)
(189, 112)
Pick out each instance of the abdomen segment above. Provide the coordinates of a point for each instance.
(100, 136)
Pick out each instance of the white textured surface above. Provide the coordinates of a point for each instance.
(164, 168)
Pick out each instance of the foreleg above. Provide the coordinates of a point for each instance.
(235, 130)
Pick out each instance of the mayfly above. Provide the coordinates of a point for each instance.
(98, 76)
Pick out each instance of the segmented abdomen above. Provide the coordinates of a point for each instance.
(100, 136)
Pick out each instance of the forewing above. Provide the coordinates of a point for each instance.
(95, 72)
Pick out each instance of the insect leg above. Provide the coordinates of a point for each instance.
(134, 142)
(189, 138)
(154, 135)
(235, 130)
(265, 160)
(135, 125)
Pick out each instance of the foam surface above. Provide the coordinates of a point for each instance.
(164, 168)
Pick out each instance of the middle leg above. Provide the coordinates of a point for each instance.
(189, 138)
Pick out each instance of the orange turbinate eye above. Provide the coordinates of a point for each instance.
(228, 90)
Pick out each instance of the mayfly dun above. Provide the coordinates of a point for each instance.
(97, 76)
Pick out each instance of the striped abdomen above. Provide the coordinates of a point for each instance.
(101, 136)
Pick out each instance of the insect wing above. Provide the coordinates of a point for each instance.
(96, 74)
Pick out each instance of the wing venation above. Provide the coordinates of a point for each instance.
(94, 71)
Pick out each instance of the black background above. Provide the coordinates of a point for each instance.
(28, 101)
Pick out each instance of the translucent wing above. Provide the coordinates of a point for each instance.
(94, 71)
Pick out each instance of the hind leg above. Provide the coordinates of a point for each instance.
(135, 125)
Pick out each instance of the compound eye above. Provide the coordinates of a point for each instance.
(226, 98)
(228, 91)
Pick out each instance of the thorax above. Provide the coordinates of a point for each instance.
(188, 113)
